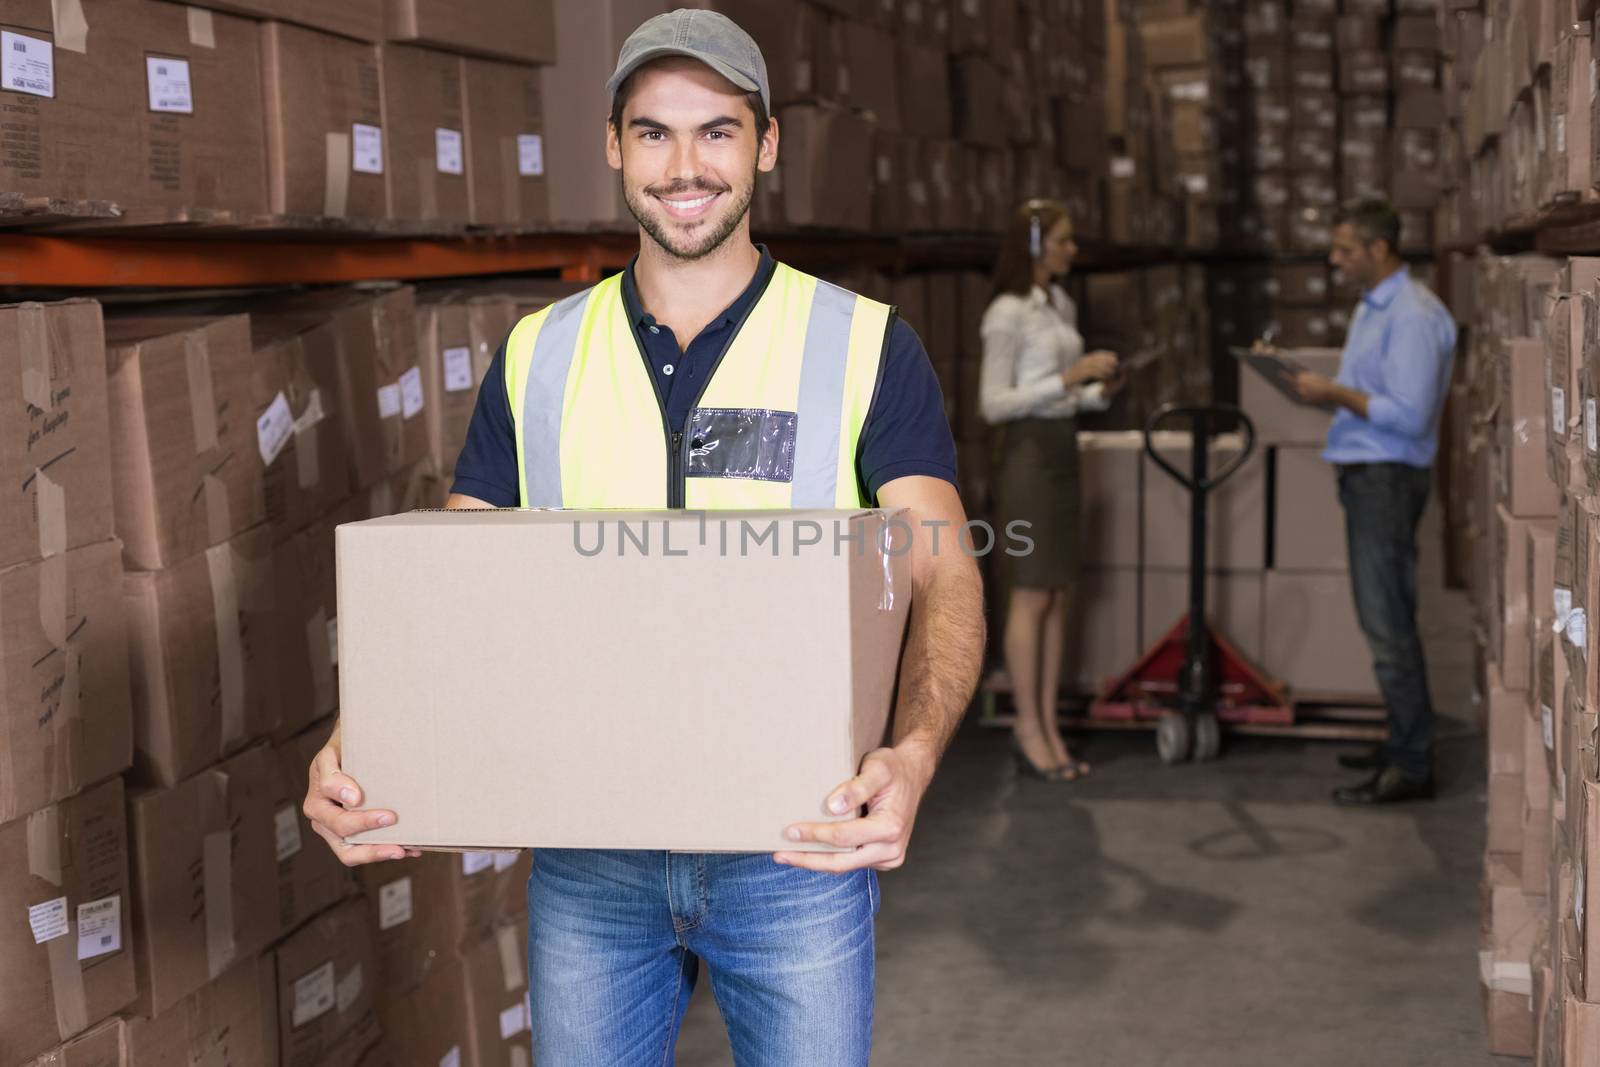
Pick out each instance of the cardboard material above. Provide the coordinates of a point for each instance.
(425, 133)
(1313, 642)
(1236, 536)
(828, 164)
(308, 623)
(360, 19)
(65, 718)
(98, 1046)
(439, 905)
(204, 877)
(430, 1024)
(1308, 529)
(924, 93)
(232, 1020)
(520, 30)
(1279, 421)
(845, 610)
(64, 895)
(56, 443)
(1104, 639)
(1233, 604)
(457, 337)
(1529, 492)
(327, 151)
(1109, 477)
(204, 657)
(186, 470)
(509, 182)
(327, 980)
(498, 1007)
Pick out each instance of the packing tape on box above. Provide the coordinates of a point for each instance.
(202, 391)
(71, 28)
(322, 684)
(202, 28)
(50, 510)
(307, 460)
(221, 949)
(66, 974)
(219, 515)
(428, 187)
(336, 181)
(520, 1057)
(380, 499)
(33, 338)
(230, 644)
(511, 969)
(65, 749)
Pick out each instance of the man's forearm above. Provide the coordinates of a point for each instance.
(1346, 397)
(943, 659)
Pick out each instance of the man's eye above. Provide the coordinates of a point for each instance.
(651, 135)
(718, 135)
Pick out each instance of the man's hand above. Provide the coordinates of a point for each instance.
(1315, 388)
(332, 800)
(890, 786)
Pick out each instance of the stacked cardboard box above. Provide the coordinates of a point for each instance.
(1526, 387)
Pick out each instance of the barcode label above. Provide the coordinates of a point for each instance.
(389, 401)
(366, 149)
(447, 152)
(99, 927)
(1558, 409)
(27, 64)
(411, 392)
(1589, 426)
(530, 155)
(314, 995)
(48, 921)
(169, 85)
(394, 903)
(457, 369)
(273, 427)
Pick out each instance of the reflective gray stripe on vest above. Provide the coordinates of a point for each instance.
(542, 397)
(821, 401)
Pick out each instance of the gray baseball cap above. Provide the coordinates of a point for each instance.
(709, 36)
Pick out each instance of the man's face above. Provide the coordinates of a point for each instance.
(1359, 260)
(688, 153)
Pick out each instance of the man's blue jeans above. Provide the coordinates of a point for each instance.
(615, 940)
(1383, 503)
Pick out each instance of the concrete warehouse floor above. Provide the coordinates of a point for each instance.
(1221, 914)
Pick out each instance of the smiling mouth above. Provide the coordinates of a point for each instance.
(688, 208)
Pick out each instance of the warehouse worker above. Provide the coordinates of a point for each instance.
(1035, 379)
(709, 376)
(1391, 387)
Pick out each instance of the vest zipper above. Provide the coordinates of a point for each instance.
(677, 481)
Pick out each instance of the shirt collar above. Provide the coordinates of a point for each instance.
(1382, 294)
(1039, 296)
(732, 313)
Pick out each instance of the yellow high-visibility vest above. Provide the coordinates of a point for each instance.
(776, 425)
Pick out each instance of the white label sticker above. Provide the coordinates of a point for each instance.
(273, 427)
(530, 155)
(474, 862)
(513, 1021)
(27, 64)
(168, 81)
(99, 927)
(1562, 601)
(350, 987)
(457, 369)
(286, 828)
(504, 861)
(1123, 167)
(451, 1058)
(1589, 427)
(1549, 717)
(1561, 133)
(314, 995)
(313, 413)
(1558, 408)
(333, 641)
(885, 170)
(366, 149)
(1578, 629)
(48, 920)
(394, 903)
(411, 392)
(1580, 889)
(389, 401)
(447, 155)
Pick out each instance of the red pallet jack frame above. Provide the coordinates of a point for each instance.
(1192, 681)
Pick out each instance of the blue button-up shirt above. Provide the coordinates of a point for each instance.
(1398, 353)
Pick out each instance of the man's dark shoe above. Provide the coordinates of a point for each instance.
(1371, 760)
(1388, 786)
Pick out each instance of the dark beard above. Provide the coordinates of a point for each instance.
(704, 246)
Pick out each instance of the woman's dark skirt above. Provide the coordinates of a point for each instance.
(1036, 481)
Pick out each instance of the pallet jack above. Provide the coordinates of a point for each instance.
(1192, 680)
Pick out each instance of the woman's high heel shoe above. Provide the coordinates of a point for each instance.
(1028, 769)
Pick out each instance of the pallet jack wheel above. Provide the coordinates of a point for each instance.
(1207, 738)
(1172, 738)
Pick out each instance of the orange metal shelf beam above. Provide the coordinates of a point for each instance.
(114, 262)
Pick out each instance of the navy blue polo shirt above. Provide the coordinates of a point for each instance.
(906, 432)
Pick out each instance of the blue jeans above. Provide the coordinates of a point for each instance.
(615, 941)
(1383, 503)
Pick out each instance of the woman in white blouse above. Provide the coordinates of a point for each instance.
(1036, 378)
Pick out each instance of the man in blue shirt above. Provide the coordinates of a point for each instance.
(1391, 387)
